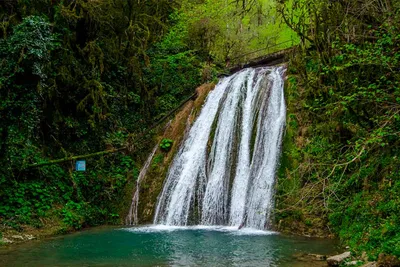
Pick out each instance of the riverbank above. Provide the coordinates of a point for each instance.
(27, 233)
(53, 228)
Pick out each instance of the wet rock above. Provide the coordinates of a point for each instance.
(29, 237)
(20, 237)
(338, 259)
(317, 257)
(24, 237)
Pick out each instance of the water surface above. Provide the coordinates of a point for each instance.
(166, 246)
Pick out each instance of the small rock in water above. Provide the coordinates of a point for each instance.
(29, 237)
(318, 257)
(338, 259)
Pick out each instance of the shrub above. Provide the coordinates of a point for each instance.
(166, 144)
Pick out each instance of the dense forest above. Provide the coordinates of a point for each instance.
(83, 77)
(91, 77)
(340, 167)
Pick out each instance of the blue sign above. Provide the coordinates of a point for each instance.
(80, 165)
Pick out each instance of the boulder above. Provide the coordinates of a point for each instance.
(388, 261)
(338, 259)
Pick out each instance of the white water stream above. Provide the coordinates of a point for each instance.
(224, 172)
(132, 218)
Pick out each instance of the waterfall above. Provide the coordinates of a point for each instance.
(132, 217)
(224, 172)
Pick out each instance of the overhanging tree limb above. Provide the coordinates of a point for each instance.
(51, 162)
(111, 151)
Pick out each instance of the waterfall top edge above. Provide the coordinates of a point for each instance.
(283, 65)
(223, 229)
(265, 69)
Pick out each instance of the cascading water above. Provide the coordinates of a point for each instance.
(132, 217)
(224, 172)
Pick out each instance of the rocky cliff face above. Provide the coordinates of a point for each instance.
(174, 130)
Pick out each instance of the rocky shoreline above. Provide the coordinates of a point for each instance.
(10, 236)
(346, 259)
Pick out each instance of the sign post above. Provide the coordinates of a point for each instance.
(80, 165)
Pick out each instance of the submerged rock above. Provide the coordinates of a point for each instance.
(309, 257)
(29, 237)
(317, 257)
(338, 259)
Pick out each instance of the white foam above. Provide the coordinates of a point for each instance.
(225, 229)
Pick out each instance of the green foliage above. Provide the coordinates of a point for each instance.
(76, 77)
(223, 29)
(166, 144)
(23, 80)
(158, 159)
(86, 198)
(343, 125)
